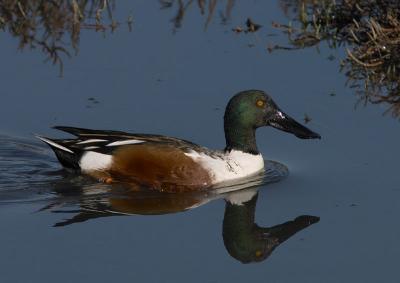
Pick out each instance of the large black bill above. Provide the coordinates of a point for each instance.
(285, 123)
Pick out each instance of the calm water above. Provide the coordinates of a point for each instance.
(331, 220)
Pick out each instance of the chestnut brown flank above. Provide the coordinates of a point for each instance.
(161, 167)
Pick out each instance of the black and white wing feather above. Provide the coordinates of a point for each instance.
(70, 151)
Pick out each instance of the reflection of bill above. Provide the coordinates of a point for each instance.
(244, 239)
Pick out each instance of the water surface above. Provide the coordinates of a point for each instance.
(164, 80)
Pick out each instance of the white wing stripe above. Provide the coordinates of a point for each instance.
(124, 142)
(90, 147)
(55, 144)
(91, 141)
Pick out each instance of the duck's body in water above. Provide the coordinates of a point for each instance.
(171, 164)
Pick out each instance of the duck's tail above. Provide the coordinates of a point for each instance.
(67, 156)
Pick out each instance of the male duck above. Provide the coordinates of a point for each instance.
(171, 164)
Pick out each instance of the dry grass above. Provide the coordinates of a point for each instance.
(370, 30)
(54, 26)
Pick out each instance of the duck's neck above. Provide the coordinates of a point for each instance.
(240, 137)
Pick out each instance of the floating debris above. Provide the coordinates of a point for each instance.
(272, 47)
(307, 119)
(92, 100)
(252, 26)
(237, 29)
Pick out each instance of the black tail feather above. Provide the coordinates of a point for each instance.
(67, 160)
(78, 132)
(67, 157)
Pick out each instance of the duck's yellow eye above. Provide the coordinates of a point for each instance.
(260, 103)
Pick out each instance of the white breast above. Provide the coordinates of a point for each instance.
(232, 165)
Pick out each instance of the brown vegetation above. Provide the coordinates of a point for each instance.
(370, 30)
(54, 26)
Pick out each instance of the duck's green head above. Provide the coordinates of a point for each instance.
(251, 109)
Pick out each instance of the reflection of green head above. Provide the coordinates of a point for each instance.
(242, 237)
(246, 241)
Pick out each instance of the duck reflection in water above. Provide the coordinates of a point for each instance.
(243, 238)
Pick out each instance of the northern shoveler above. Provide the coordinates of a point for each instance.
(171, 164)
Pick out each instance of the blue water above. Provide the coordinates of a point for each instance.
(155, 80)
